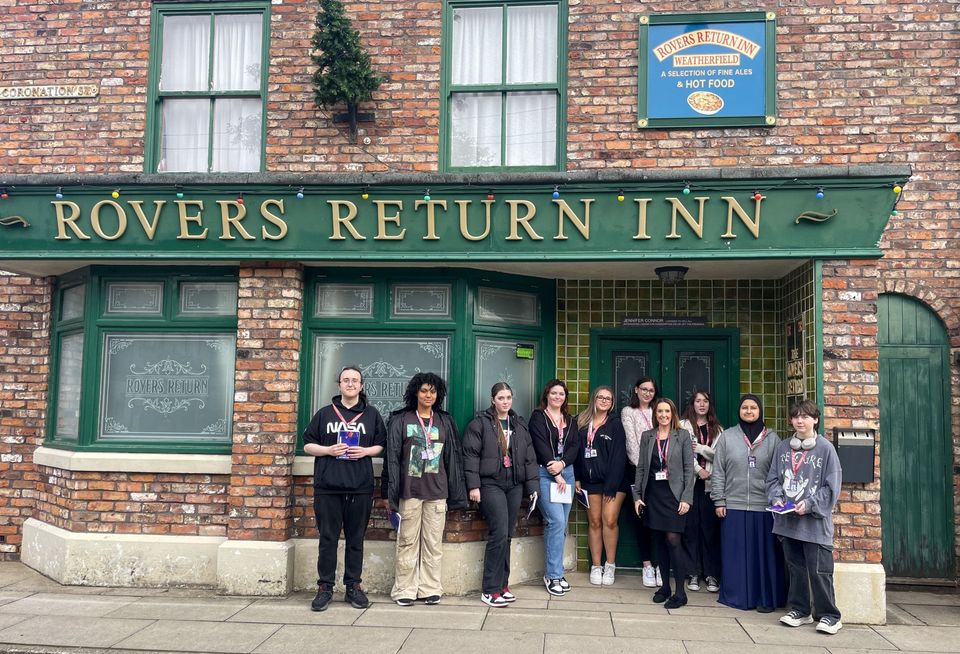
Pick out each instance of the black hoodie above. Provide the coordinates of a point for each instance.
(333, 475)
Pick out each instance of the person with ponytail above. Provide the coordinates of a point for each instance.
(805, 477)
(342, 437)
(500, 467)
(751, 558)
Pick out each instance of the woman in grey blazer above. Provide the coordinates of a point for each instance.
(663, 492)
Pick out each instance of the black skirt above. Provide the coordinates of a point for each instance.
(660, 512)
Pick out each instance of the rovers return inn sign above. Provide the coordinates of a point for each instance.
(721, 219)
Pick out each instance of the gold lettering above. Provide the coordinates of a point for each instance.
(226, 234)
(431, 216)
(121, 220)
(695, 225)
(642, 219)
(734, 206)
(464, 205)
(273, 219)
(338, 220)
(185, 234)
(149, 228)
(68, 221)
(383, 219)
(583, 226)
(516, 220)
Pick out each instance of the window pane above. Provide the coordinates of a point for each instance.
(477, 34)
(236, 135)
(421, 300)
(628, 367)
(135, 297)
(344, 300)
(167, 386)
(475, 129)
(184, 135)
(694, 373)
(496, 306)
(496, 362)
(68, 387)
(387, 362)
(208, 298)
(532, 44)
(237, 52)
(72, 306)
(186, 51)
(532, 128)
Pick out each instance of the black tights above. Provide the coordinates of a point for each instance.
(670, 552)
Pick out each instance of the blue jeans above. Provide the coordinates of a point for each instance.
(555, 530)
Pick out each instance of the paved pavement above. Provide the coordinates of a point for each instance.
(38, 615)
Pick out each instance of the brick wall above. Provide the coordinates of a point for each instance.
(24, 367)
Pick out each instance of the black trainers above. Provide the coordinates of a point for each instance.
(356, 597)
(404, 601)
(564, 584)
(675, 602)
(553, 586)
(432, 599)
(322, 600)
(829, 625)
(796, 618)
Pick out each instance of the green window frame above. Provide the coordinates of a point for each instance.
(154, 160)
(373, 316)
(453, 92)
(177, 315)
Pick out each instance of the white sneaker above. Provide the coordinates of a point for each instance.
(649, 577)
(596, 575)
(795, 619)
(609, 573)
(713, 585)
(829, 625)
(693, 583)
(659, 578)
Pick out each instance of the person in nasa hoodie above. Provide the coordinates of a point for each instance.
(342, 437)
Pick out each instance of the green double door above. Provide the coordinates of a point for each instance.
(682, 361)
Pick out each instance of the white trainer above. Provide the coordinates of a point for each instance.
(659, 578)
(649, 577)
(609, 573)
(596, 575)
(693, 583)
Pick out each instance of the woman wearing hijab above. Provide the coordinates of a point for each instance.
(751, 559)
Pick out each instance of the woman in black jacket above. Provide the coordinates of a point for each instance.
(599, 472)
(422, 479)
(500, 467)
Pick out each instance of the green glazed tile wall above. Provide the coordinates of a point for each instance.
(757, 307)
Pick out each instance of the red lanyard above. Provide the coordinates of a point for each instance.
(750, 446)
(427, 429)
(795, 463)
(648, 421)
(664, 451)
(559, 425)
(356, 418)
(591, 431)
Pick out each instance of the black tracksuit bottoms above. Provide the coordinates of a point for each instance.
(351, 513)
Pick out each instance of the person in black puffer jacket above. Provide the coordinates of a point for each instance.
(500, 466)
(422, 478)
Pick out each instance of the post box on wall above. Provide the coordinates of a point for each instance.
(856, 449)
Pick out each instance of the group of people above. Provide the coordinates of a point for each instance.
(746, 513)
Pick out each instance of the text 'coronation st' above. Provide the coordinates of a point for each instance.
(397, 220)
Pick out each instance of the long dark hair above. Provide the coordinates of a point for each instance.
(690, 414)
(424, 379)
(635, 398)
(363, 395)
(565, 408)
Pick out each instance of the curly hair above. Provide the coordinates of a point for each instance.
(424, 379)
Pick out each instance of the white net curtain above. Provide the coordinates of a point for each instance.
(478, 119)
(186, 66)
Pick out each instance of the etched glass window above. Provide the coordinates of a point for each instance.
(496, 307)
(135, 298)
(167, 386)
(421, 301)
(335, 300)
(208, 298)
(694, 373)
(72, 306)
(387, 362)
(68, 387)
(628, 367)
(497, 362)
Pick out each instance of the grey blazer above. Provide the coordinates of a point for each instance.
(679, 464)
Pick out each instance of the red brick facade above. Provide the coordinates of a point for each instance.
(857, 84)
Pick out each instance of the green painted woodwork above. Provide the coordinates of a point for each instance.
(916, 450)
(155, 96)
(655, 222)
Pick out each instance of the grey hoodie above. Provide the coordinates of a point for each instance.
(734, 484)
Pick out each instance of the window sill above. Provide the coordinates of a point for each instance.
(200, 464)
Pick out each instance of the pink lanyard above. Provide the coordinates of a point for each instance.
(750, 446)
(796, 463)
(663, 451)
(591, 431)
(427, 429)
(560, 434)
(648, 422)
(356, 418)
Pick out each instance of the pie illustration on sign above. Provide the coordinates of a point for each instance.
(704, 102)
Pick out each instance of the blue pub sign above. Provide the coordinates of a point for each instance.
(701, 70)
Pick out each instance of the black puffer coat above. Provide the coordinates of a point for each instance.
(482, 457)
